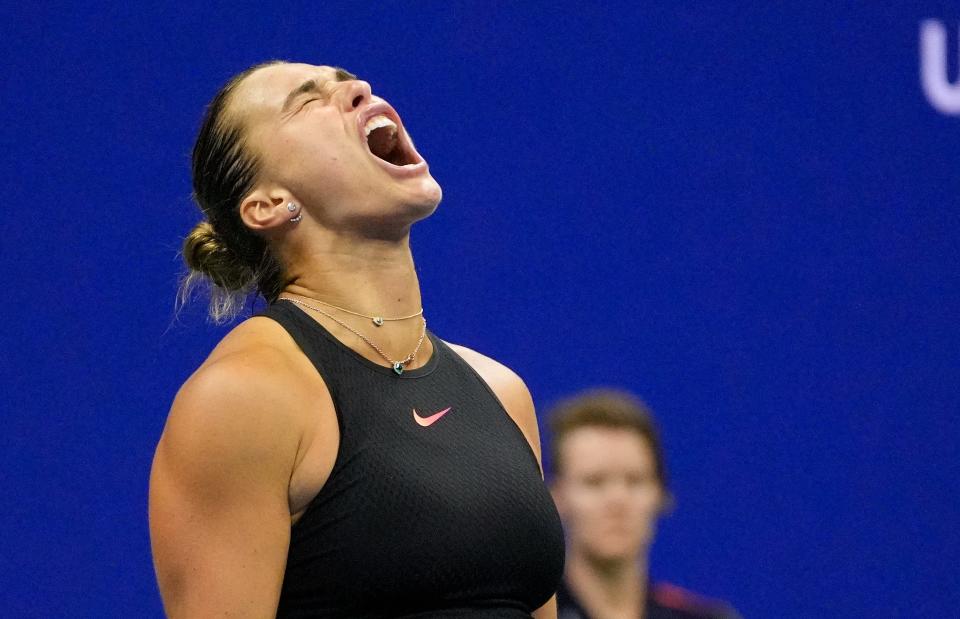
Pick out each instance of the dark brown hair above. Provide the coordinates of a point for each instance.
(221, 251)
(605, 408)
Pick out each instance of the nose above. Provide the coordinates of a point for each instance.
(354, 93)
(617, 495)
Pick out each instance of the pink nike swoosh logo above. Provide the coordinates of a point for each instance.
(427, 421)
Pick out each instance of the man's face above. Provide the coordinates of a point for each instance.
(309, 127)
(608, 494)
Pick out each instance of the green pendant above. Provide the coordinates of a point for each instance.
(398, 368)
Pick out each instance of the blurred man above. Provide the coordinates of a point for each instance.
(610, 486)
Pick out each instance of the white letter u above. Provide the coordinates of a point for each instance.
(941, 94)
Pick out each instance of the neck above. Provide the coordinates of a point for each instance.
(368, 276)
(608, 588)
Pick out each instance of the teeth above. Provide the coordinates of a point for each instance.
(378, 122)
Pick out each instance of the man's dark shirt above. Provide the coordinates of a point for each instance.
(664, 601)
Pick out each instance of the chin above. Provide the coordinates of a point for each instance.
(425, 199)
(616, 550)
(612, 556)
(430, 188)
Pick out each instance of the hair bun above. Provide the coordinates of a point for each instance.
(205, 251)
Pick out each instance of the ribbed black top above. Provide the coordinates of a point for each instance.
(446, 520)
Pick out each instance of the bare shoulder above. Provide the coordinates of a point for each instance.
(257, 335)
(241, 389)
(509, 389)
(508, 386)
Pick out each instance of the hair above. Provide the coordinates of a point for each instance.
(221, 251)
(605, 408)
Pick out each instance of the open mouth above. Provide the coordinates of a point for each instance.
(388, 143)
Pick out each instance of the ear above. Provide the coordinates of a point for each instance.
(265, 209)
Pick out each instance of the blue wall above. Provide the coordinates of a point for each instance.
(746, 215)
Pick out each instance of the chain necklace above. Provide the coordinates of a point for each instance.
(397, 366)
(376, 319)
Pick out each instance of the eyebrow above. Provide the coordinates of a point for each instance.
(312, 85)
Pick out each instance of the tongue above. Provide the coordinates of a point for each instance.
(382, 142)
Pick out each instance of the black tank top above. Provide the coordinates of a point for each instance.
(435, 506)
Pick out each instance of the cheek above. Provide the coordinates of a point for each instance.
(310, 150)
(648, 502)
(312, 172)
(313, 156)
(585, 507)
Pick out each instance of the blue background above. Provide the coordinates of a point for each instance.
(744, 212)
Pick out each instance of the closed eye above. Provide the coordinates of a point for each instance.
(313, 86)
(307, 102)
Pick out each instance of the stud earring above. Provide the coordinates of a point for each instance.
(291, 206)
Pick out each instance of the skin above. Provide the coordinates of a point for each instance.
(252, 435)
(609, 498)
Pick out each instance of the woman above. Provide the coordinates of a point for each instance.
(331, 457)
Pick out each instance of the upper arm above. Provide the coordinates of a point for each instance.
(219, 514)
(510, 390)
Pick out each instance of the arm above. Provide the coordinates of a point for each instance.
(516, 399)
(219, 513)
(547, 611)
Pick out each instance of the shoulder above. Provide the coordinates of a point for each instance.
(685, 604)
(509, 389)
(256, 358)
(508, 386)
(243, 398)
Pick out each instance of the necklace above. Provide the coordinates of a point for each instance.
(376, 319)
(397, 366)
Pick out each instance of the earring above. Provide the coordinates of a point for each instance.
(291, 206)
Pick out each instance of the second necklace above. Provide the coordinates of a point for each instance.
(397, 366)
